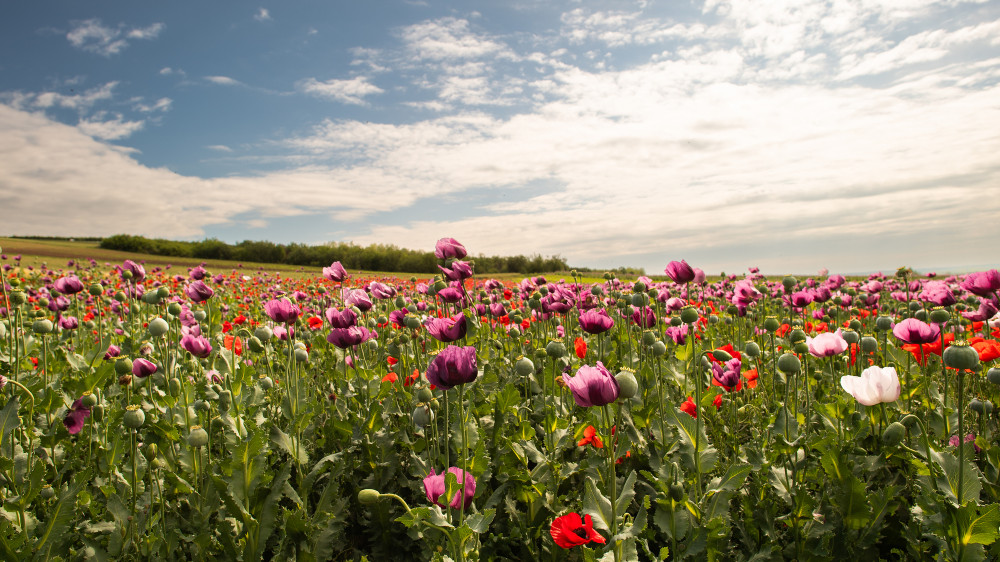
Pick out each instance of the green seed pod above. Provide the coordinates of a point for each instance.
(403, 339)
(976, 405)
(555, 349)
(302, 356)
(627, 385)
(640, 300)
(771, 324)
(869, 344)
(200, 315)
(713, 319)
(97, 412)
(174, 309)
(893, 435)
(993, 375)
(265, 382)
(150, 298)
(47, 492)
(368, 496)
(255, 344)
(789, 283)
(540, 354)
(689, 315)
(198, 437)
(524, 367)
(801, 347)
(202, 406)
(43, 302)
(158, 327)
(939, 315)
(123, 366)
(43, 326)
(789, 363)
(648, 338)
(676, 492)
(850, 336)
(88, 400)
(659, 349)
(263, 333)
(425, 394)
(920, 315)
(751, 349)
(883, 323)
(17, 298)
(134, 417)
(162, 292)
(422, 415)
(120, 296)
(174, 387)
(225, 400)
(597, 290)
(676, 321)
(400, 302)
(412, 308)
(960, 356)
(987, 408)
(412, 322)
(797, 335)
(95, 289)
(639, 287)
(217, 424)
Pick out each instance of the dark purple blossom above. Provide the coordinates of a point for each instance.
(452, 367)
(592, 386)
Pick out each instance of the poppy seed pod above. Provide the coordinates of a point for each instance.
(869, 344)
(162, 292)
(883, 323)
(920, 315)
(851, 337)
(789, 363)
(43, 326)
(425, 394)
(43, 302)
(797, 335)
(976, 405)
(628, 386)
(134, 417)
(639, 287)
(659, 349)
(95, 289)
(913, 306)
(939, 315)
(524, 367)
(301, 356)
(263, 333)
(771, 324)
(751, 349)
(689, 315)
(88, 400)
(265, 382)
(993, 375)
(17, 298)
(123, 366)
(648, 338)
(198, 437)
(174, 309)
(676, 321)
(158, 327)
(893, 435)
(422, 415)
(789, 283)
(555, 349)
(801, 347)
(960, 356)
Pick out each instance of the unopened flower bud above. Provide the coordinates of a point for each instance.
(893, 435)
(721, 355)
(368, 496)
(265, 382)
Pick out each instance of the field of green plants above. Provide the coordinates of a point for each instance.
(177, 413)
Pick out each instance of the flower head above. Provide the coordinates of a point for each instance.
(592, 386)
(69, 285)
(982, 283)
(448, 330)
(142, 368)
(912, 330)
(827, 344)
(335, 272)
(198, 291)
(196, 345)
(876, 385)
(341, 318)
(595, 321)
(138, 272)
(680, 272)
(458, 271)
(572, 530)
(75, 417)
(435, 487)
(449, 248)
(452, 367)
(349, 337)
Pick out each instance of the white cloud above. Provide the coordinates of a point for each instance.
(448, 39)
(223, 81)
(352, 91)
(93, 36)
(262, 15)
(162, 104)
(219, 148)
(115, 128)
(48, 100)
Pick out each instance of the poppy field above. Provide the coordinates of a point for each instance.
(185, 414)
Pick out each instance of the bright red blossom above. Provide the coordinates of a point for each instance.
(580, 347)
(571, 530)
(590, 438)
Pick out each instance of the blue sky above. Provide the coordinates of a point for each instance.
(789, 134)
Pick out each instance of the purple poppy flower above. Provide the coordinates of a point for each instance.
(447, 330)
(381, 290)
(58, 304)
(592, 386)
(728, 375)
(69, 285)
(678, 334)
(827, 344)
(138, 272)
(550, 304)
(595, 321)
(349, 337)
(450, 295)
(459, 271)
(398, 316)
(644, 317)
(69, 323)
(452, 367)
(800, 299)
(497, 310)
(76, 416)
(970, 438)
(937, 292)
(198, 273)
(982, 283)
(335, 272)
(358, 298)
(912, 330)
(986, 310)
(112, 352)
(341, 318)
(680, 272)
(449, 248)
(196, 345)
(198, 291)
(142, 368)
(435, 487)
(282, 310)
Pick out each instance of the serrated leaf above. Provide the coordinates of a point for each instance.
(62, 514)
(971, 486)
(596, 505)
(289, 444)
(9, 421)
(984, 526)
(627, 493)
(732, 480)
(480, 522)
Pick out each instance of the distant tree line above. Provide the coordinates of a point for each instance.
(375, 257)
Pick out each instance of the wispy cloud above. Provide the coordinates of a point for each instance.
(162, 104)
(263, 14)
(93, 36)
(352, 91)
(82, 101)
(113, 128)
(224, 81)
(219, 148)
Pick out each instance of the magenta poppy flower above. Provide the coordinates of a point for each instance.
(452, 367)
(335, 272)
(449, 248)
(434, 487)
(112, 352)
(198, 273)
(450, 295)
(497, 310)
(447, 330)
(595, 321)
(138, 272)
(341, 318)
(381, 290)
(69, 285)
(142, 368)
(76, 416)
(458, 271)
(937, 292)
(827, 344)
(644, 317)
(360, 299)
(728, 375)
(592, 386)
(680, 272)
(912, 330)
(800, 299)
(349, 337)
(198, 291)
(59, 304)
(678, 334)
(282, 310)
(196, 345)
(982, 283)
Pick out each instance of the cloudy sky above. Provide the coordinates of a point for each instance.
(787, 134)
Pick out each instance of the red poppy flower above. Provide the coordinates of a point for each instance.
(239, 320)
(390, 377)
(525, 324)
(718, 401)
(689, 408)
(315, 322)
(988, 349)
(581, 347)
(392, 360)
(412, 378)
(620, 460)
(590, 438)
(571, 530)
(233, 344)
(751, 377)
(226, 327)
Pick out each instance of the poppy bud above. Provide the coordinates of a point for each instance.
(789, 363)
(217, 424)
(659, 349)
(98, 412)
(200, 315)
(771, 324)
(302, 356)
(368, 496)
(869, 344)
(689, 315)
(198, 437)
(202, 406)
(158, 327)
(883, 323)
(47, 492)
(225, 400)
(151, 451)
(403, 339)
(639, 287)
(676, 492)
(174, 387)
(134, 417)
(627, 385)
(893, 435)
(960, 356)
(265, 382)
(597, 290)
(88, 400)
(255, 344)
(524, 367)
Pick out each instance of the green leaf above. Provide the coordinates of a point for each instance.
(289, 444)
(9, 421)
(732, 480)
(480, 522)
(687, 427)
(778, 427)
(62, 514)
(269, 510)
(971, 486)
(627, 493)
(596, 505)
(984, 526)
